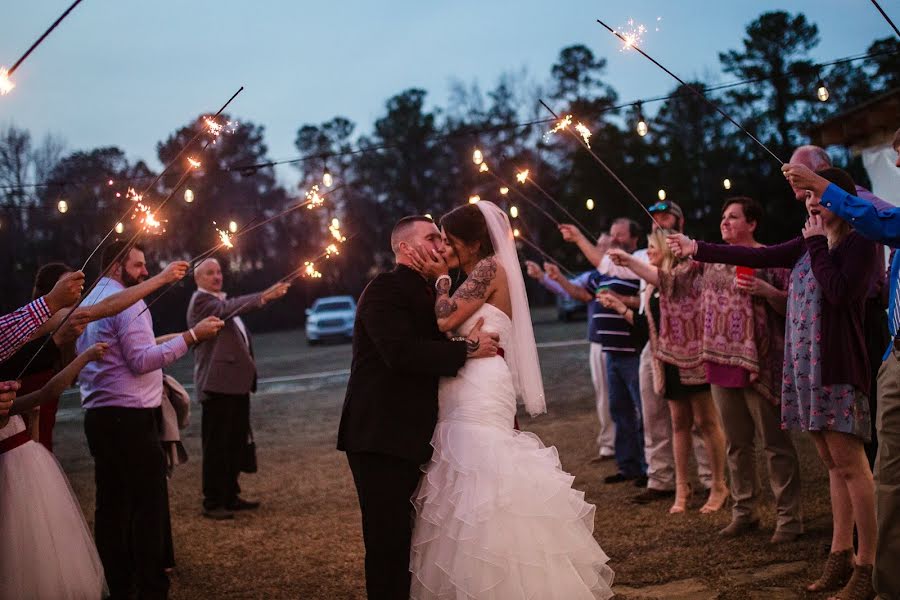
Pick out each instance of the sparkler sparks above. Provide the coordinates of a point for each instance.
(483, 168)
(522, 176)
(6, 84)
(633, 34)
(194, 163)
(332, 249)
(564, 123)
(310, 270)
(313, 197)
(335, 230)
(584, 132)
(225, 238)
(146, 219)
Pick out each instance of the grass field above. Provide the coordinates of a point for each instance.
(305, 542)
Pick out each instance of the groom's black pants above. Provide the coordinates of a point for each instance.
(385, 485)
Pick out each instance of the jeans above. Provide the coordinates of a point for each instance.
(623, 379)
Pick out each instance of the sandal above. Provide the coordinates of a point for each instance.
(838, 569)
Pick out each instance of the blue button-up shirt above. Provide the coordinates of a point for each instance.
(878, 223)
(130, 374)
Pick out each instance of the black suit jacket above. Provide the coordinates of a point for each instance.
(398, 355)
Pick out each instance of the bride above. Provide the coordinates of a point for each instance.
(496, 516)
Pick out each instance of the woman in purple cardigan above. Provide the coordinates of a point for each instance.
(826, 368)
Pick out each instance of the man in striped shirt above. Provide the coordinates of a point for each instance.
(622, 351)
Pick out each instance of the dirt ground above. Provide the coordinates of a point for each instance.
(305, 541)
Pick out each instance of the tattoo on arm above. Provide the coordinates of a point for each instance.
(445, 306)
(479, 282)
(472, 346)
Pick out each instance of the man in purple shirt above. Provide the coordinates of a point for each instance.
(875, 322)
(122, 394)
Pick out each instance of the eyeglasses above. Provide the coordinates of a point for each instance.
(659, 207)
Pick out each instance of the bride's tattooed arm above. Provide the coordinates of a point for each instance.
(451, 311)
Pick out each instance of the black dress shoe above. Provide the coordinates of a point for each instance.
(640, 481)
(617, 478)
(650, 495)
(218, 514)
(241, 504)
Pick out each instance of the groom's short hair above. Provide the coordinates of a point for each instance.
(402, 228)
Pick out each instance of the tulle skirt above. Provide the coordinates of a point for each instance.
(47, 550)
(497, 518)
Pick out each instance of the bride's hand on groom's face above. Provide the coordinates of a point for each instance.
(427, 261)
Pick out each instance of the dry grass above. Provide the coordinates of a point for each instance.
(305, 541)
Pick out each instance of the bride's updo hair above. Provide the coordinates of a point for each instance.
(467, 224)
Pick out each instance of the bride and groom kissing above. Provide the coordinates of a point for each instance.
(455, 502)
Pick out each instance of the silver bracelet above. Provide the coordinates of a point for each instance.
(193, 335)
(438, 281)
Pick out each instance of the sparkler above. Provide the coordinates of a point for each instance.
(699, 94)
(523, 177)
(603, 164)
(564, 123)
(194, 163)
(538, 249)
(886, 17)
(6, 83)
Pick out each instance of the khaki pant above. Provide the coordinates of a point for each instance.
(744, 413)
(887, 480)
(606, 440)
(658, 434)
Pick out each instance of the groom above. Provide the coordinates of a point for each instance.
(391, 406)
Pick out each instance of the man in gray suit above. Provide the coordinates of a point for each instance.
(224, 376)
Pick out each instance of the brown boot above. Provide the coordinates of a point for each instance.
(838, 569)
(859, 587)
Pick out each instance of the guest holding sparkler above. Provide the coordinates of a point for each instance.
(880, 224)
(225, 375)
(122, 393)
(736, 320)
(826, 367)
(47, 357)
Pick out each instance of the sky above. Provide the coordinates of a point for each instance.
(129, 72)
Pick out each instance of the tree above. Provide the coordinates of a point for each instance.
(776, 52)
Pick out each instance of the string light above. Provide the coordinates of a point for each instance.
(188, 195)
(327, 179)
(822, 91)
(483, 168)
(514, 212)
(120, 227)
(726, 184)
(515, 233)
(661, 194)
(589, 204)
(504, 190)
(232, 226)
(477, 157)
(62, 206)
(642, 127)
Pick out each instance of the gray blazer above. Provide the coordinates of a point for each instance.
(223, 364)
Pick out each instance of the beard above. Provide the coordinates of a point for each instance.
(129, 281)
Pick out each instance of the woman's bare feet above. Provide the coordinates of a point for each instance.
(683, 493)
(718, 496)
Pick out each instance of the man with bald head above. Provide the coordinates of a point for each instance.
(224, 376)
(875, 323)
(391, 407)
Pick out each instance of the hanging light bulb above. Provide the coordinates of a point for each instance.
(474, 199)
(232, 226)
(642, 127)
(120, 227)
(661, 194)
(589, 204)
(822, 91)
(515, 232)
(477, 157)
(62, 206)
(726, 184)
(327, 179)
(188, 195)
(514, 211)
(504, 190)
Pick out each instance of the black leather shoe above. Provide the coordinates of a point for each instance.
(241, 504)
(617, 478)
(650, 495)
(218, 514)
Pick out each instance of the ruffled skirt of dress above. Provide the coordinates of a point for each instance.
(47, 550)
(497, 518)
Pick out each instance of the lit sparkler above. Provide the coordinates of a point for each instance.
(309, 270)
(6, 84)
(332, 249)
(564, 123)
(335, 229)
(193, 162)
(225, 237)
(522, 176)
(584, 132)
(483, 168)
(147, 219)
(632, 35)
(313, 198)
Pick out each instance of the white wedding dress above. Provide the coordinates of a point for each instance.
(497, 517)
(46, 550)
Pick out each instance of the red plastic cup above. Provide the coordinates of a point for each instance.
(744, 272)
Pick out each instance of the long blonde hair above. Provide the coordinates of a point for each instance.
(657, 237)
